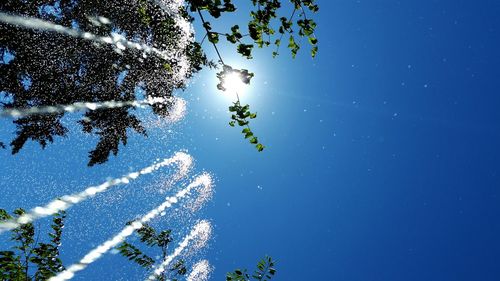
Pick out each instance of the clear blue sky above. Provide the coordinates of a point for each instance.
(382, 159)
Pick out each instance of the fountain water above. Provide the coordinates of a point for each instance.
(199, 235)
(200, 272)
(23, 112)
(203, 183)
(115, 39)
(183, 160)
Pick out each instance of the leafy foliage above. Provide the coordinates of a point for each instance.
(261, 31)
(47, 69)
(240, 114)
(149, 236)
(265, 24)
(227, 70)
(240, 117)
(134, 254)
(265, 271)
(29, 259)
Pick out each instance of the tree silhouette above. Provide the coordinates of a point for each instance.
(40, 68)
(50, 69)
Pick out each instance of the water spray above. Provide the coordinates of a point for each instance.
(202, 183)
(200, 272)
(201, 232)
(183, 161)
(116, 40)
(80, 106)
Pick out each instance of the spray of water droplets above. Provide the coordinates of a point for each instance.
(115, 39)
(177, 110)
(200, 272)
(202, 183)
(175, 53)
(183, 160)
(198, 236)
(78, 106)
(172, 8)
(201, 232)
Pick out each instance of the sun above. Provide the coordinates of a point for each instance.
(234, 84)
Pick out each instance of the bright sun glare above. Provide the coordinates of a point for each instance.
(233, 83)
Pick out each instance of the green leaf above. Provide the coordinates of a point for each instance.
(313, 40)
(260, 147)
(293, 46)
(264, 272)
(134, 254)
(167, 67)
(231, 38)
(179, 267)
(213, 37)
(207, 25)
(4, 215)
(264, 269)
(314, 51)
(245, 50)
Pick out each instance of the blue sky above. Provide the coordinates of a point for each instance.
(381, 159)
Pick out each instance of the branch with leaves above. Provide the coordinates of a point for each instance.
(240, 114)
(30, 259)
(265, 271)
(151, 238)
(74, 70)
(262, 25)
(260, 30)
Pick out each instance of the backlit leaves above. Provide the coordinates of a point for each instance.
(261, 30)
(264, 18)
(245, 50)
(227, 71)
(77, 74)
(293, 46)
(240, 114)
(235, 35)
(265, 271)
